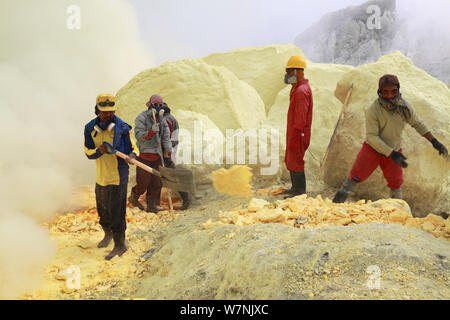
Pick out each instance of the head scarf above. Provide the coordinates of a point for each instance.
(396, 105)
(155, 98)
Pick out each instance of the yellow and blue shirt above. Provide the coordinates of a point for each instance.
(111, 170)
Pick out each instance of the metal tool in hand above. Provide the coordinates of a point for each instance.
(175, 179)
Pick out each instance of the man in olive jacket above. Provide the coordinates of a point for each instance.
(385, 120)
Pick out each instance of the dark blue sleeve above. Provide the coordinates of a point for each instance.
(89, 146)
(128, 147)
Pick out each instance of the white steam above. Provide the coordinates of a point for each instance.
(49, 78)
(424, 35)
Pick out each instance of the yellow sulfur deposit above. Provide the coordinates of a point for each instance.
(427, 180)
(79, 267)
(304, 212)
(234, 181)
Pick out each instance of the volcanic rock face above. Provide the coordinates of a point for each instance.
(349, 36)
(427, 178)
(361, 34)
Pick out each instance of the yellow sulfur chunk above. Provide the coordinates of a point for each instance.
(428, 226)
(235, 181)
(267, 215)
(360, 219)
(256, 204)
(399, 216)
(438, 221)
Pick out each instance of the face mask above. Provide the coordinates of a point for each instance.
(394, 102)
(103, 125)
(290, 79)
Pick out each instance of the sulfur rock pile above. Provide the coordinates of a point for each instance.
(301, 248)
(303, 212)
(427, 178)
(243, 90)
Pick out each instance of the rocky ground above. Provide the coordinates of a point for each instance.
(186, 256)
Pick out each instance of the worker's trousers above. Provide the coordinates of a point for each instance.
(112, 206)
(147, 182)
(368, 160)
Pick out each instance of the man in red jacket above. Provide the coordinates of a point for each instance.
(299, 119)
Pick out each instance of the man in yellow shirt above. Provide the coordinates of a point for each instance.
(112, 172)
(385, 120)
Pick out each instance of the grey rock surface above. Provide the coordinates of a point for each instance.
(352, 36)
(275, 261)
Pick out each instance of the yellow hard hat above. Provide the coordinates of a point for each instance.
(106, 102)
(296, 62)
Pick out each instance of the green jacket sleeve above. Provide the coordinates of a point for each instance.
(373, 133)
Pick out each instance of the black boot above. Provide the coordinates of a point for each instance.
(299, 183)
(186, 200)
(292, 189)
(340, 197)
(346, 187)
(134, 200)
(151, 206)
(119, 245)
(106, 240)
(158, 199)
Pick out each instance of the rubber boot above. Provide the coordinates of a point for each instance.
(133, 199)
(340, 196)
(106, 239)
(292, 189)
(299, 183)
(186, 200)
(151, 207)
(396, 194)
(158, 199)
(119, 245)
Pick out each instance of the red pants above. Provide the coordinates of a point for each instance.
(147, 182)
(368, 160)
(296, 146)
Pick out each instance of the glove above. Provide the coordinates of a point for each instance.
(168, 163)
(103, 149)
(439, 147)
(399, 159)
(149, 135)
(155, 128)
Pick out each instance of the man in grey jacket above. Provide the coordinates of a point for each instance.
(146, 131)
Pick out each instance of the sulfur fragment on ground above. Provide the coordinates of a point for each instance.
(319, 213)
